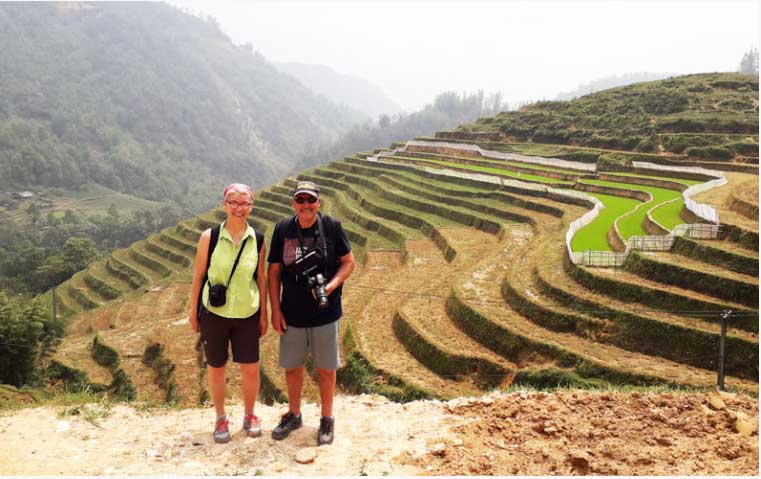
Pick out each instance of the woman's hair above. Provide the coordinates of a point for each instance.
(239, 188)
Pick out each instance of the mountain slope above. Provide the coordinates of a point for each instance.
(145, 99)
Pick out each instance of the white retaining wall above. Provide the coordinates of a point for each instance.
(500, 155)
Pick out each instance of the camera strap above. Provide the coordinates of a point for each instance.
(320, 238)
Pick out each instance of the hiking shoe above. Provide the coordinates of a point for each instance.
(252, 425)
(289, 422)
(325, 434)
(221, 430)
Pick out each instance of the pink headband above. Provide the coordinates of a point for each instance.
(238, 188)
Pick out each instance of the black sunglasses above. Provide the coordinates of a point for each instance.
(301, 199)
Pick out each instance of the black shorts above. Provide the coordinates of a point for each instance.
(218, 332)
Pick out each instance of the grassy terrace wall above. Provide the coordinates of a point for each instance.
(444, 363)
(153, 357)
(516, 347)
(704, 252)
(716, 286)
(659, 338)
(636, 293)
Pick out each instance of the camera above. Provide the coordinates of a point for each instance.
(308, 271)
(217, 295)
(317, 283)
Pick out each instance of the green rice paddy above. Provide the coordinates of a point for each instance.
(631, 225)
(594, 236)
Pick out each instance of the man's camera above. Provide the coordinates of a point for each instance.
(308, 271)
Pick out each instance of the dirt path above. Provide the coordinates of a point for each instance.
(527, 433)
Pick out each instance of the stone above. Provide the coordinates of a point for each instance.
(278, 467)
(62, 426)
(306, 455)
(743, 425)
(579, 461)
(457, 442)
(706, 410)
(439, 449)
(715, 401)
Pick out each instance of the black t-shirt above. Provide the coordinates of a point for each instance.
(298, 305)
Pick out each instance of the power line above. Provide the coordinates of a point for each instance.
(697, 313)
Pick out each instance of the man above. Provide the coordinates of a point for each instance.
(303, 247)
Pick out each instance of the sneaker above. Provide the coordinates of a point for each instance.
(289, 422)
(221, 431)
(252, 425)
(325, 434)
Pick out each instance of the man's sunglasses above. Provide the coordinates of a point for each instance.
(309, 199)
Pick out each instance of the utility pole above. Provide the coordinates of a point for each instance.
(725, 314)
(54, 315)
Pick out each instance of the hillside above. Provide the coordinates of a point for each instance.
(356, 93)
(485, 265)
(145, 100)
(465, 283)
(703, 117)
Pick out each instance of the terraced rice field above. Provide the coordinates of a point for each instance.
(463, 286)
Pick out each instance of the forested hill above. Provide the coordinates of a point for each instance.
(145, 99)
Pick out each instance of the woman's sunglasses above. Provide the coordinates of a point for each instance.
(309, 199)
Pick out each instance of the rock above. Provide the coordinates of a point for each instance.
(726, 394)
(306, 455)
(439, 449)
(192, 465)
(715, 401)
(550, 430)
(457, 442)
(743, 426)
(62, 426)
(706, 410)
(663, 441)
(278, 467)
(579, 461)
(187, 436)
(152, 453)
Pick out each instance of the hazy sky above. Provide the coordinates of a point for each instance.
(528, 50)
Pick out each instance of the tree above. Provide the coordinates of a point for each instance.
(78, 253)
(749, 62)
(22, 326)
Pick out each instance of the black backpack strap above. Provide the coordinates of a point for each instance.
(212, 244)
(330, 227)
(259, 244)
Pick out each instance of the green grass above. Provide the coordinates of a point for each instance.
(631, 225)
(594, 235)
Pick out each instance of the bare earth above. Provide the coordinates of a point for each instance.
(526, 433)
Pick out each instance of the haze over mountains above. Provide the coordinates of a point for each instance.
(354, 92)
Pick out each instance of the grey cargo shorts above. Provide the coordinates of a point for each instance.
(322, 341)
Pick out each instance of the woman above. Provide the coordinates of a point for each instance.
(242, 318)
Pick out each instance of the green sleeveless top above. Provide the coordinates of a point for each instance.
(242, 292)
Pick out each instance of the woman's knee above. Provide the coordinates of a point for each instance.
(250, 369)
